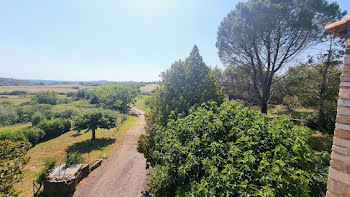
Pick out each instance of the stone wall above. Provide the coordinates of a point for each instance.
(339, 172)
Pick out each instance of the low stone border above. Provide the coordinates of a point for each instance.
(95, 165)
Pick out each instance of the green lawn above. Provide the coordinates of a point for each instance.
(141, 102)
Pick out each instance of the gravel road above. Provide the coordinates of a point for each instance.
(123, 173)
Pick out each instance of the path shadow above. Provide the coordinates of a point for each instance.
(88, 145)
(76, 134)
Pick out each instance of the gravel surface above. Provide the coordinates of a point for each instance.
(123, 173)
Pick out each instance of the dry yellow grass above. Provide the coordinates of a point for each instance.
(72, 141)
(149, 87)
(15, 99)
(32, 89)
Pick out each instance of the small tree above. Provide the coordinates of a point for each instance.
(46, 97)
(93, 119)
(116, 96)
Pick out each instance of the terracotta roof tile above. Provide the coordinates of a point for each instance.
(339, 28)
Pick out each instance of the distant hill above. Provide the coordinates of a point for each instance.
(28, 82)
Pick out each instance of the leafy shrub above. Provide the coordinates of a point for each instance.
(82, 94)
(55, 127)
(74, 158)
(12, 159)
(329, 118)
(25, 112)
(49, 165)
(291, 102)
(37, 117)
(70, 94)
(64, 113)
(18, 92)
(33, 134)
(8, 116)
(233, 151)
(46, 97)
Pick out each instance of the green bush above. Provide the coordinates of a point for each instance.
(233, 151)
(12, 159)
(25, 112)
(46, 97)
(33, 134)
(74, 158)
(65, 113)
(55, 127)
(49, 165)
(8, 116)
(37, 117)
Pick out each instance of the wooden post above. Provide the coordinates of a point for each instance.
(339, 171)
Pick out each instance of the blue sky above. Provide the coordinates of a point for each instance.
(116, 40)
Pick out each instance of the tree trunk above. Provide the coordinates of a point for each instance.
(263, 106)
(324, 87)
(93, 137)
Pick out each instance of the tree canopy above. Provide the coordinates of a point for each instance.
(116, 96)
(268, 34)
(93, 119)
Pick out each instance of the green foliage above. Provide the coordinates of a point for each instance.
(73, 159)
(291, 102)
(36, 118)
(8, 116)
(320, 142)
(46, 97)
(25, 112)
(233, 151)
(95, 118)
(64, 113)
(49, 165)
(31, 134)
(267, 35)
(187, 83)
(116, 96)
(55, 127)
(83, 93)
(12, 159)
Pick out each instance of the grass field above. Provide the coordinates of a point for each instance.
(33, 89)
(148, 88)
(72, 141)
(15, 99)
(140, 102)
(14, 128)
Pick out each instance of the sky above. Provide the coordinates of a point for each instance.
(115, 40)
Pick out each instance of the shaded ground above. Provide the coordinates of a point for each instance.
(123, 173)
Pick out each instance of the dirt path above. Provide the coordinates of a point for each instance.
(123, 173)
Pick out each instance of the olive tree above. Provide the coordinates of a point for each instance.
(269, 34)
(93, 119)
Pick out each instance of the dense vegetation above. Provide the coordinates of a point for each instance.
(264, 36)
(187, 83)
(12, 159)
(233, 151)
